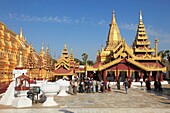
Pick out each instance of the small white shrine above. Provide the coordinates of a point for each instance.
(22, 86)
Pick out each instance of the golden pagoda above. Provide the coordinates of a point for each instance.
(118, 60)
(12, 46)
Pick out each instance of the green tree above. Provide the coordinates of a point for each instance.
(164, 54)
(78, 61)
(84, 57)
(90, 62)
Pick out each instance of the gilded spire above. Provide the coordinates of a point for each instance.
(42, 50)
(65, 45)
(31, 49)
(141, 28)
(102, 48)
(71, 55)
(114, 36)
(140, 15)
(65, 51)
(47, 49)
(20, 64)
(140, 18)
(113, 17)
(71, 52)
(20, 34)
(141, 44)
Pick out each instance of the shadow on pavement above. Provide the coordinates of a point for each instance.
(65, 111)
(165, 102)
(164, 93)
(120, 92)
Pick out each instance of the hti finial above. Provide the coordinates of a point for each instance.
(65, 45)
(113, 13)
(21, 33)
(71, 50)
(140, 14)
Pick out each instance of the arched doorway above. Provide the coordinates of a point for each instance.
(136, 76)
(110, 76)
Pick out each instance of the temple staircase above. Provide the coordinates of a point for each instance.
(8, 96)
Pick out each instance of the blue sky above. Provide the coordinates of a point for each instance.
(84, 24)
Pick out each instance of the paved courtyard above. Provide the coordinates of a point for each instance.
(136, 101)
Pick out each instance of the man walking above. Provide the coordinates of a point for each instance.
(126, 84)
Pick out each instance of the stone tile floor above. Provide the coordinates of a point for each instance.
(136, 101)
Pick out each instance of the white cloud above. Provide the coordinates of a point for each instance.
(129, 26)
(102, 22)
(56, 19)
(28, 18)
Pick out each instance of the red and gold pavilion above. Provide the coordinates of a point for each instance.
(66, 66)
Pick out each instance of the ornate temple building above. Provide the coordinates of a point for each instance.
(12, 46)
(66, 66)
(118, 59)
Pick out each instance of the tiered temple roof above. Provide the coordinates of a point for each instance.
(65, 64)
(141, 44)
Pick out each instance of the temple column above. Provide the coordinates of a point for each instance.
(141, 74)
(161, 76)
(149, 76)
(116, 72)
(156, 75)
(104, 74)
(128, 72)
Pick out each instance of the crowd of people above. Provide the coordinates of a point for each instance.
(89, 85)
(157, 85)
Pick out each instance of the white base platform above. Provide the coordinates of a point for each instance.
(63, 91)
(139, 84)
(50, 100)
(21, 102)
